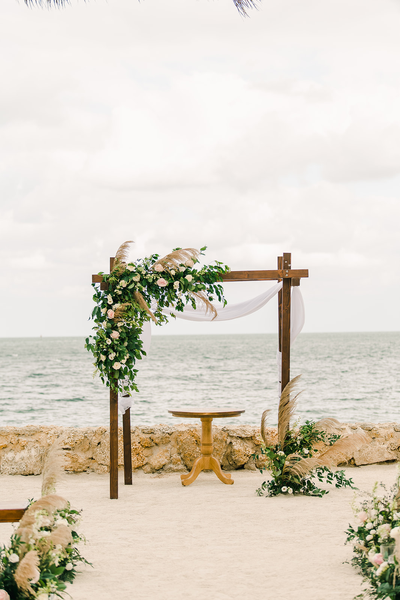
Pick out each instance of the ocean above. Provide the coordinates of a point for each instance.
(353, 377)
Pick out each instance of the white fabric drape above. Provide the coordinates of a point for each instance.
(227, 313)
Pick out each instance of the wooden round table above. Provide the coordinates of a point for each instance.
(206, 461)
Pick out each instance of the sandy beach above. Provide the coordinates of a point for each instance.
(163, 541)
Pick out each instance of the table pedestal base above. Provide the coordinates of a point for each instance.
(206, 462)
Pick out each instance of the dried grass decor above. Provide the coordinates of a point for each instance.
(139, 291)
(306, 452)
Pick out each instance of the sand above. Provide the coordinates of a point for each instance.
(163, 541)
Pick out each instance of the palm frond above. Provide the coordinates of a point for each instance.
(264, 418)
(61, 536)
(343, 449)
(121, 256)
(53, 468)
(329, 425)
(287, 406)
(302, 467)
(210, 308)
(27, 571)
(243, 5)
(178, 257)
(143, 305)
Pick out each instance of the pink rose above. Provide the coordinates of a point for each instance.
(377, 559)
(159, 268)
(114, 335)
(110, 313)
(4, 595)
(161, 282)
(362, 516)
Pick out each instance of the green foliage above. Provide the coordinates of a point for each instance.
(116, 344)
(375, 537)
(57, 564)
(299, 443)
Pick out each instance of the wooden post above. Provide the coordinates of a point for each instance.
(126, 431)
(285, 345)
(280, 260)
(113, 444)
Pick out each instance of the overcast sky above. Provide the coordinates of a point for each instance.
(180, 123)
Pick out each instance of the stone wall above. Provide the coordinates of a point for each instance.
(166, 448)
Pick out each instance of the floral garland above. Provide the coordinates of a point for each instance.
(376, 541)
(41, 557)
(121, 311)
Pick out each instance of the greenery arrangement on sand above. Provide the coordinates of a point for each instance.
(303, 454)
(42, 555)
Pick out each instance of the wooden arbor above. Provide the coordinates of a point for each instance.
(289, 277)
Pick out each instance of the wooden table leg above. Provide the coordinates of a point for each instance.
(206, 461)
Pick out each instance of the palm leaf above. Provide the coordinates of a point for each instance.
(329, 425)
(53, 468)
(26, 571)
(143, 305)
(287, 406)
(178, 257)
(209, 308)
(121, 256)
(302, 467)
(264, 418)
(346, 447)
(241, 5)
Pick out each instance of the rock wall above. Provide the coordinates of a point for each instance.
(167, 448)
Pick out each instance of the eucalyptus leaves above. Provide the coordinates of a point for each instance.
(137, 292)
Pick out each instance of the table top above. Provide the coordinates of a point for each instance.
(213, 413)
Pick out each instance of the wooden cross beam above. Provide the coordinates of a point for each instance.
(284, 272)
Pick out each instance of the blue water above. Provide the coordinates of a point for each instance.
(351, 376)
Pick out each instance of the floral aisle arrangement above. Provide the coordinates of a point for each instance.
(137, 292)
(42, 555)
(303, 453)
(376, 541)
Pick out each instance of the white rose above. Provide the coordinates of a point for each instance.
(69, 567)
(102, 357)
(123, 283)
(116, 366)
(284, 489)
(108, 341)
(290, 491)
(373, 531)
(189, 263)
(369, 526)
(172, 272)
(111, 356)
(103, 311)
(189, 277)
(109, 299)
(369, 538)
(395, 532)
(182, 269)
(130, 268)
(176, 285)
(305, 451)
(381, 569)
(136, 278)
(13, 558)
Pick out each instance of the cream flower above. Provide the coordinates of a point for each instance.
(176, 285)
(161, 282)
(109, 299)
(172, 272)
(111, 356)
(136, 278)
(13, 558)
(130, 268)
(114, 335)
(123, 283)
(189, 277)
(182, 269)
(189, 263)
(116, 366)
(110, 313)
(69, 567)
(102, 357)
(108, 341)
(159, 268)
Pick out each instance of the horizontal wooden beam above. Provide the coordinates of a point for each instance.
(265, 275)
(248, 275)
(11, 515)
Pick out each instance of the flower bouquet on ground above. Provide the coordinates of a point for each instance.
(376, 541)
(42, 556)
(303, 454)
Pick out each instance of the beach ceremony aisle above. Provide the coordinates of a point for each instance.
(163, 541)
